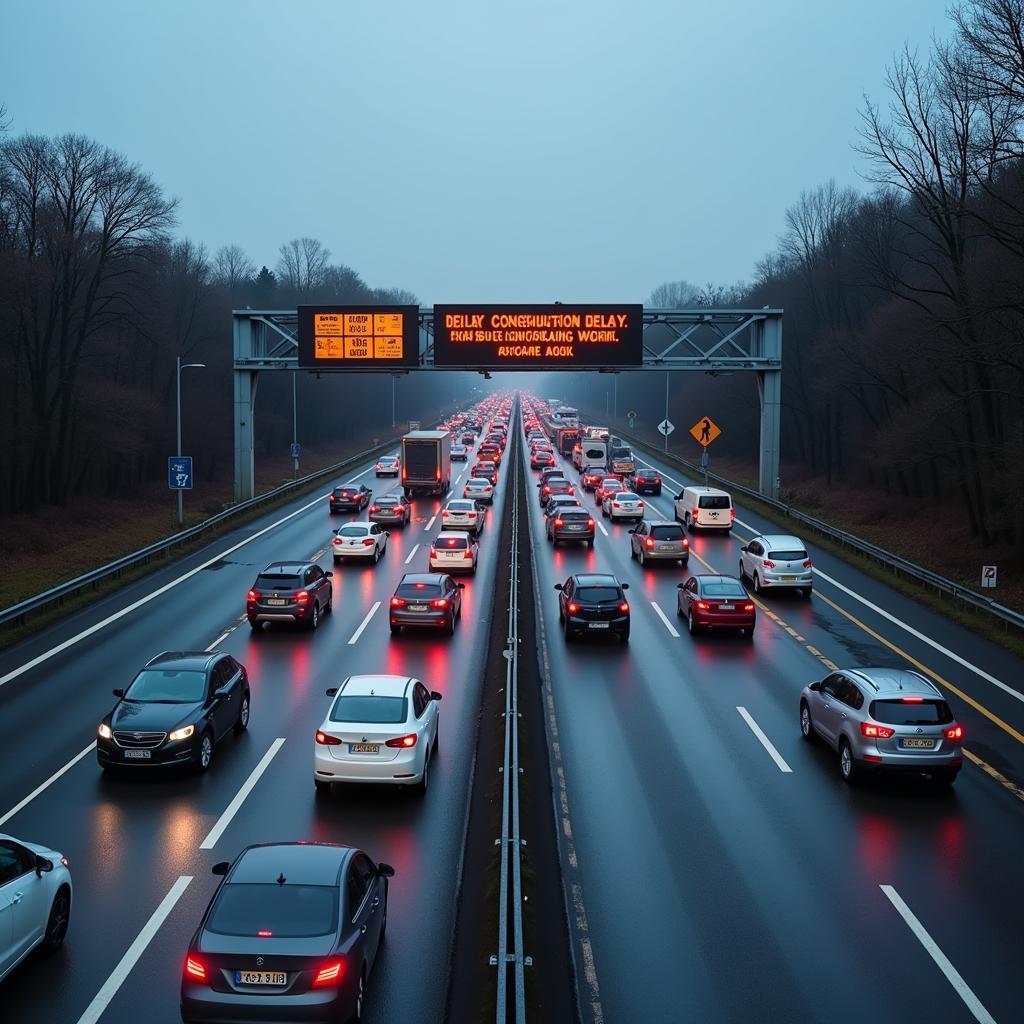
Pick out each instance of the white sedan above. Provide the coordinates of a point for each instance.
(462, 514)
(453, 551)
(387, 465)
(622, 505)
(35, 900)
(379, 729)
(477, 488)
(359, 540)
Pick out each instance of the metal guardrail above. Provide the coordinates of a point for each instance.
(18, 612)
(891, 561)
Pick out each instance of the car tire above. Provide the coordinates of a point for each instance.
(329, 610)
(691, 625)
(847, 764)
(742, 572)
(943, 780)
(57, 922)
(314, 619)
(806, 725)
(420, 788)
(568, 633)
(376, 554)
(641, 558)
(624, 637)
(757, 584)
(747, 632)
(806, 593)
(242, 723)
(255, 625)
(632, 551)
(205, 753)
(590, 542)
(395, 629)
(321, 787)
(449, 630)
(357, 1013)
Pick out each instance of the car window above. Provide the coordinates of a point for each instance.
(285, 911)
(667, 532)
(724, 589)
(360, 878)
(691, 586)
(369, 709)
(598, 593)
(220, 676)
(15, 860)
(277, 581)
(352, 531)
(714, 501)
(849, 694)
(831, 685)
(316, 574)
(419, 700)
(457, 543)
(903, 712)
(168, 686)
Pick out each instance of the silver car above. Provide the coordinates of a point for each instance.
(463, 514)
(389, 508)
(886, 720)
(777, 560)
(622, 505)
(659, 540)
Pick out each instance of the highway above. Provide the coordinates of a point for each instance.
(716, 866)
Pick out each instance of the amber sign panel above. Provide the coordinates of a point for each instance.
(358, 337)
(526, 337)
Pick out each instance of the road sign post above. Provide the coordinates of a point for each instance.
(631, 416)
(295, 450)
(179, 473)
(704, 465)
(989, 576)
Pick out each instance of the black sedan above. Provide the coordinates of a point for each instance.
(350, 497)
(174, 711)
(291, 934)
(593, 604)
(645, 481)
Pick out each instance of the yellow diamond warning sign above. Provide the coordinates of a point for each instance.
(704, 431)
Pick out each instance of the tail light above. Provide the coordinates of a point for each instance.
(615, 504)
(649, 542)
(195, 969)
(330, 974)
(254, 595)
(398, 602)
(686, 543)
(302, 596)
(573, 607)
(572, 490)
(657, 479)
(264, 933)
(808, 564)
(624, 607)
(558, 521)
(912, 700)
(437, 474)
(471, 515)
(433, 551)
(441, 602)
(368, 542)
(590, 523)
(468, 553)
(768, 563)
(373, 508)
(337, 540)
(875, 732)
(547, 489)
(748, 607)
(640, 504)
(702, 605)
(326, 739)
(732, 513)
(954, 732)
(403, 742)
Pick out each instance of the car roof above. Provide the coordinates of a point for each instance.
(350, 483)
(715, 577)
(707, 490)
(596, 579)
(357, 522)
(390, 496)
(477, 481)
(422, 577)
(378, 684)
(781, 540)
(663, 522)
(451, 534)
(285, 568)
(299, 863)
(184, 659)
(892, 681)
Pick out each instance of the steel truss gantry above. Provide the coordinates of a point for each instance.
(713, 341)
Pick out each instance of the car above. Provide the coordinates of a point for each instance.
(468, 438)
(570, 523)
(555, 485)
(777, 560)
(540, 458)
(35, 900)
(560, 501)
(174, 712)
(488, 470)
(350, 497)
(645, 481)
(463, 514)
(551, 471)
(388, 465)
(884, 720)
(459, 453)
(296, 592)
(591, 478)
(706, 508)
(659, 540)
(426, 599)
(292, 933)
(622, 505)
(478, 488)
(453, 551)
(379, 729)
(489, 450)
(610, 484)
(577, 456)
(592, 603)
(360, 541)
(389, 508)
(711, 601)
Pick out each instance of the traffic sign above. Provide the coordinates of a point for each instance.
(989, 576)
(704, 431)
(179, 472)
(295, 449)
(414, 424)
(631, 416)
(358, 337)
(665, 427)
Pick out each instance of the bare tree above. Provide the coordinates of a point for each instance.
(232, 268)
(673, 295)
(302, 265)
(5, 119)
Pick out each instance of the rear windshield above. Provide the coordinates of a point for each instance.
(714, 501)
(790, 555)
(477, 484)
(667, 532)
(277, 582)
(168, 686)
(421, 590)
(461, 506)
(344, 492)
(385, 710)
(723, 590)
(597, 594)
(389, 500)
(451, 542)
(353, 531)
(625, 496)
(286, 911)
(896, 712)
(573, 515)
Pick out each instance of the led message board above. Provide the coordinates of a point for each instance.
(358, 337)
(538, 336)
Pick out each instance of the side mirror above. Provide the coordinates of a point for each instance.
(331, 691)
(461, 586)
(434, 695)
(119, 692)
(744, 548)
(625, 586)
(42, 864)
(327, 572)
(558, 586)
(679, 496)
(680, 586)
(221, 868)
(385, 871)
(815, 686)
(633, 530)
(222, 694)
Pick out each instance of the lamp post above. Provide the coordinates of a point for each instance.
(182, 366)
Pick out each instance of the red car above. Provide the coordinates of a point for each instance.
(610, 484)
(716, 602)
(539, 458)
(488, 470)
(592, 478)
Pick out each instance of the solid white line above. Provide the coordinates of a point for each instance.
(102, 998)
(664, 618)
(232, 808)
(49, 782)
(96, 627)
(963, 990)
(362, 625)
(765, 742)
(408, 558)
(217, 641)
(430, 525)
(600, 525)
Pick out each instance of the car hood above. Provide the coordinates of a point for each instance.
(139, 717)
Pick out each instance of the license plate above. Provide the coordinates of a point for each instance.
(575, 527)
(142, 755)
(598, 625)
(789, 579)
(276, 600)
(726, 607)
(665, 547)
(417, 607)
(261, 978)
(918, 743)
(364, 748)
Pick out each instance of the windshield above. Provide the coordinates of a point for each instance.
(667, 532)
(596, 594)
(285, 911)
(451, 542)
(789, 555)
(461, 506)
(277, 582)
(168, 686)
(369, 710)
(420, 591)
(353, 531)
(899, 712)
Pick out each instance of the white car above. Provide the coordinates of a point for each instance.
(462, 514)
(478, 489)
(359, 540)
(35, 900)
(379, 729)
(777, 560)
(459, 453)
(453, 551)
(622, 505)
(387, 465)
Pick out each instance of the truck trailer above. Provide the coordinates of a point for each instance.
(426, 462)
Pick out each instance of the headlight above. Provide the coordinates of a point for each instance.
(104, 731)
(182, 734)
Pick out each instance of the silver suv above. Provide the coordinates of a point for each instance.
(883, 719)
(777, 561)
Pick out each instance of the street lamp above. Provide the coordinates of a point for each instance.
(182, 366)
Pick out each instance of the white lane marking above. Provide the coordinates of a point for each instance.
(765, 742)
(430, 525)
(218, 640)
(600, 525)
(49, 782)
(963, 990)
(408, 558)
(664, 618)
(232, 808)
(362, 625)
(128, 609)
(102, 998)
(457, 479)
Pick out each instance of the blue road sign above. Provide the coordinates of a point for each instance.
(179, 472)
(296, 450)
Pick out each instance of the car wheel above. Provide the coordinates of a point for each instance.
(690, 624)
(590, 542)
(255, 625)
(321, 787)
(561, 616)
(742, 571)
(806, 592)
(376, 554)
(632, 551)
(329, 610)
(205, 752)
(641, 558)
(847, 765)
(314, 619)
(420, 789)
(568, 633)
(243, 715)
(450, 628)
(806, 725)
(357, 1015)
(624, 637)
(395, 629)
(943, 780)
(57, 922)
(757, 583)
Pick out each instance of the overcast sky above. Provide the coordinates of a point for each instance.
(472, 150)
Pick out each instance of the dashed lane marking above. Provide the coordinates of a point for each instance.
(765, 742)
(362, 625)
(25, 801)
(664, 618)
(409, 557)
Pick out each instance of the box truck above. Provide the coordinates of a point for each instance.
(426, 462)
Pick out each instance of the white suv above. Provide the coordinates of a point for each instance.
(777, 561)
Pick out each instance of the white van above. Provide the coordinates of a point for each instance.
(705, 507)
(593, 452)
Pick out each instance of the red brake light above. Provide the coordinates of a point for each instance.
(195, 969)
(437, 474)
(649, 542)
(471, 515)
(254, 595)
(398, 602)
(641, 504)
(368, 542)
(657, 479)
(440, 602)
(768, 563)
(912, 700)
(547, 488)
(748, 607)
(468, 553)
(302, 597)
(954, 732)
(808, 564)
(732, 513)
(573, 607)
(330, 974)
(402, 741)
(703, 605)
(433, 551)
(373, 508)
(875, 732)
(590, 523)
(624, 607)
(615, 504)
(686, 542)
(558, 521)
(326, 740)
(264, 933)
